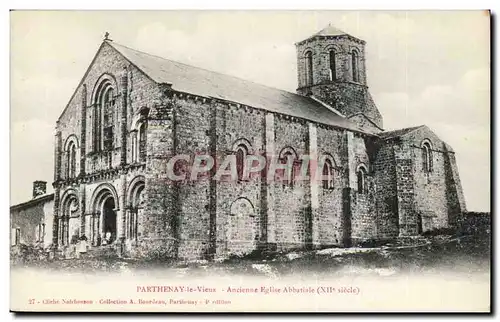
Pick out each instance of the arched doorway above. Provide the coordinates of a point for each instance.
(109, 220)
(103, 222)
(69, 221)
(242, 228)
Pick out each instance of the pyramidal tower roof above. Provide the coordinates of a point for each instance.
(330, 31)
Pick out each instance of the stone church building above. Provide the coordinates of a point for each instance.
(133, 111)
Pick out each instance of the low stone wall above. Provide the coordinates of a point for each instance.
(476, 223)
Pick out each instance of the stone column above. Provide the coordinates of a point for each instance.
(121, 215)
(212, 235)
(57, 156)
(95, 229)
(57, 177)
(127, 223)
(64, 224)
(347, 192)
(123, 157)
(82, 209)
(454, 193)
(138, 212)
(351, 166)
(123, 117)
(159, 237)
(313, 183)
(55, 222)
(99, 233)
(83, 131)
(268, 192)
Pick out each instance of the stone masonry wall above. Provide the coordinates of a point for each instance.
(363, 223)
(234, 125)
(405, 185)
(349, 99)
(291, 203)
(431, 198)
(409, 197)
(386, 202)
(142, 92)
(330, 142)
(364, 123)
(454, 192)
(320, 47)
(192, 138)
(343, 93)
(160, 223)
(27, 220)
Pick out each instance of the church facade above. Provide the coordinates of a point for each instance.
(132, 112)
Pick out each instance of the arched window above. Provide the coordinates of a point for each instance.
(70, 209)
(134, 146)
(135, 209)
(289, 157)
(333, 66)
(354, 66)
(427, 157)
(142, 142)
(72, 160)
(241, 153)
(361, 177)
(104, 109)
(309, 69)
(328, 174)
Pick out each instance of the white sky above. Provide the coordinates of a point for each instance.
(428, 68)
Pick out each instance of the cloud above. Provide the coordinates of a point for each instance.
(31, 144)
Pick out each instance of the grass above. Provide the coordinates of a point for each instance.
(436, 253)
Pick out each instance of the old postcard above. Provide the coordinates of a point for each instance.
(250, 161)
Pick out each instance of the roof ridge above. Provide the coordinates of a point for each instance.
(207, 70)
(401, 131)
(405, 128)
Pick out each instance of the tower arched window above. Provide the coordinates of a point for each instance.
(142, 142)
(328, 174)
(241, 153)
(333, 65)
(361, 178)
(354, 66)
(427, 157)
(72, 160)
(103, 125)
(309, 68)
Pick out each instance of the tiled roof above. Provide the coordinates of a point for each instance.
(32, 202)
(202, 82)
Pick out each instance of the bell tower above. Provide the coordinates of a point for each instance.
(331, 68)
